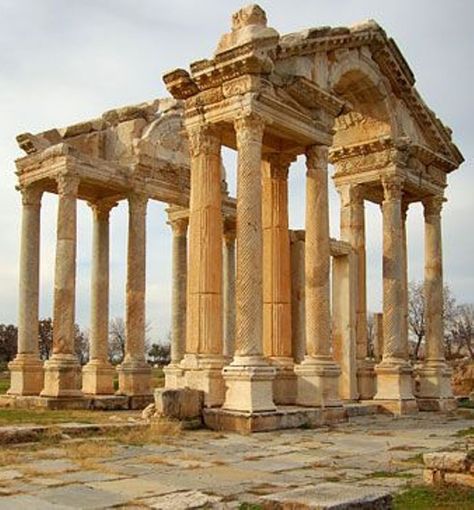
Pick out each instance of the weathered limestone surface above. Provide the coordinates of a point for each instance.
(62, 375)
(26, 369)
(298, 332)
(229, 290)
(134, 372)
(249, 377)
(173, 372)
(97, 375)
(277, 344)
(318, 374)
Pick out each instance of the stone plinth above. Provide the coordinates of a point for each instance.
(433, 389)
(366, 379)
(26, 375)
(318, 383)
(179, 404)
(395, 388)
(97, 378)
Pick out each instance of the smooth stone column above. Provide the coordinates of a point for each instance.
(134, 372)
(353, 231)
(249, 378)
(344, 289)
(173, 373)
(204, 360)
(62, 377)
(318, 374)
(434, 390)
(26, 370)
(276, 276)
(394, 373)
(98, 374)
(298, 333)
(229, 290)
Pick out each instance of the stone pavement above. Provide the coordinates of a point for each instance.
(365, 458)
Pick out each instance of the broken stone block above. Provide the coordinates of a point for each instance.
(465, 479)
(433, 476)
(179, 404)
(447, 461)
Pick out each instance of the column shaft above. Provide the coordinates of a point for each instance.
(318, 374)
(434, 281)
(62, 371)
(27, 370)
(229, 291)
(317, 255)
(204, 305)
(178, 290)
(134, 372)
(97, 375)
(249, 378)
(276, 254)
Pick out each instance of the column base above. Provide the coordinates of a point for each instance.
(174, 376)
(204, 372)
(395, 388)
(98, 378)
(26, 375)
(134, 379)
(366, 379)
(284, 384)
(62, 377)
(249, 382)
(318, 383)
(433, 389)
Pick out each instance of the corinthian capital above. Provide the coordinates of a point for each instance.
(179, 226)
(351, 195)
(317, 158)
(68, 185)
(392, 187)
(433, 205)
(279, 164)
(102, 208)
(249, 128)
(204, 139)
(31, 195)
(137, 203)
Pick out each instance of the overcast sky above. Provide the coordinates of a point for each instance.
(63, 62)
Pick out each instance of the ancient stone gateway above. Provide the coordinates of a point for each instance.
(255, 326)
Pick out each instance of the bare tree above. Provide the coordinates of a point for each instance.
(417, 316)
(462, 330)
(81, 345)
(45, 338)
(116, 340)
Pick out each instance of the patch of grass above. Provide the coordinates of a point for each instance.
(89, 450)
(9, 416)
(158, 431)
(465, 403)
(390, 474)
(9, 457)
(434, 498)
(465, 432)
(250, 506)
(4, 383)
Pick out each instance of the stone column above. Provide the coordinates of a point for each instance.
(405, 206)
(353, 231)
(276, 276)
(378, 337)
(434, 391)
(394, 372)
(204, 360)
(98, 374)
(344, 285)
(134, 372)
(318, 374)
(229, 290)
(249, 377)
(173, 373)
(26, 370)
(298, 333)
(62, 377)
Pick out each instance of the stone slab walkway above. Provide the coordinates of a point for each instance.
(363, 459)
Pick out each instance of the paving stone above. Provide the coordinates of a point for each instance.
(48, 466)
(80, 496)
(22, 501)
(329, 496)
(10, 474)
(87, 476)
(133, 488)
(181, 501)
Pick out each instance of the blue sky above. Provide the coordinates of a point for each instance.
(63, 62)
